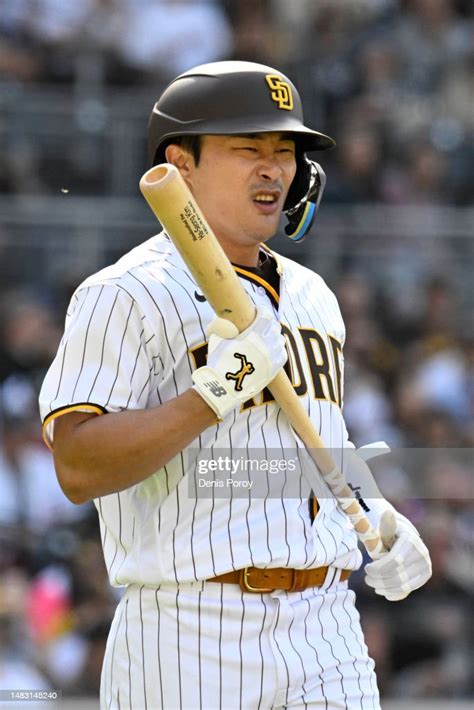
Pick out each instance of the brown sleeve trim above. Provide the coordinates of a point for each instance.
(79, 407)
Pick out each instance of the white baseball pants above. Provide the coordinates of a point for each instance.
(208, 646)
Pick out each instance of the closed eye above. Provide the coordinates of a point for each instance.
(251, 149)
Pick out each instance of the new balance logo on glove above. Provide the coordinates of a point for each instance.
(261, 351)
(215, 388)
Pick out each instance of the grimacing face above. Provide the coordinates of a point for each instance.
(240, 183)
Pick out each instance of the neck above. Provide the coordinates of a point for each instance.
(245, 255)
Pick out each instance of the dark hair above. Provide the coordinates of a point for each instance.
(191, 144)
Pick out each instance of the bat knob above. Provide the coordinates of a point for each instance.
(388, 529)
(223, 328)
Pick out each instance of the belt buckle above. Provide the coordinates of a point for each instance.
(249, 588)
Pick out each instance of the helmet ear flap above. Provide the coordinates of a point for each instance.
(310, 183)
(300, 185)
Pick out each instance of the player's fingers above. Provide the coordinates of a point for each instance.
(393, 584)
(390, 559)
(409, 568)
(419, 581)
(401, 585)
(410, 578)
(390, 576)
(371, 582)
(386, 572)
(394, 596)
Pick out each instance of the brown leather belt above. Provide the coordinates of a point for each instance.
(254, 579)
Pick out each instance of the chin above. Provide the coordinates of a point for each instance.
(267, 234)
(268, 229)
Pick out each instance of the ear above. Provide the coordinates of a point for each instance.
(180, 158)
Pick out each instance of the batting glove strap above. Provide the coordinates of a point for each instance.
(214, 390)
(406, 567)
(240, 366)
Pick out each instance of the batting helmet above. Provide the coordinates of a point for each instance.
(233, 97)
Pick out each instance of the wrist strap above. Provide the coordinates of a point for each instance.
(214, 391)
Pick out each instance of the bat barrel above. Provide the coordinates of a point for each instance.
(175, 207)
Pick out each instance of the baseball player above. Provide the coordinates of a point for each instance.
(232, 598)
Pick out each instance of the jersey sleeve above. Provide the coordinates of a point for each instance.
(103, 363)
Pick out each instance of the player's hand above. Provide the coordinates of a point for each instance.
(406, 567)
(239, 366)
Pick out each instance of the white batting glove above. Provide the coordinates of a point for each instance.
(406, 567)
(239, 366)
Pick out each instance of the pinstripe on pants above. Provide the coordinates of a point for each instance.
(206, 645)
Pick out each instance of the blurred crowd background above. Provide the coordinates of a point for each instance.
(393, 82)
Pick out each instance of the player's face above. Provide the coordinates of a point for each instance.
(241, 183)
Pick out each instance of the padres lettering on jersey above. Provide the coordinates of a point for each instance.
(328, 368)
(134, 333)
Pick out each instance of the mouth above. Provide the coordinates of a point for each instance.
(267, 201)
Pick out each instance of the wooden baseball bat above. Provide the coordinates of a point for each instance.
(174, 205)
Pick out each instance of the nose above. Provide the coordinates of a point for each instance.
(269, 168)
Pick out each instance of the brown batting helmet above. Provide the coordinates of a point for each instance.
(234, 97)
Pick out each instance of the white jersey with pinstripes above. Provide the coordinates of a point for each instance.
(131, 331)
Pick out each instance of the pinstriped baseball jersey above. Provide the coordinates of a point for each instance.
(134, 333)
